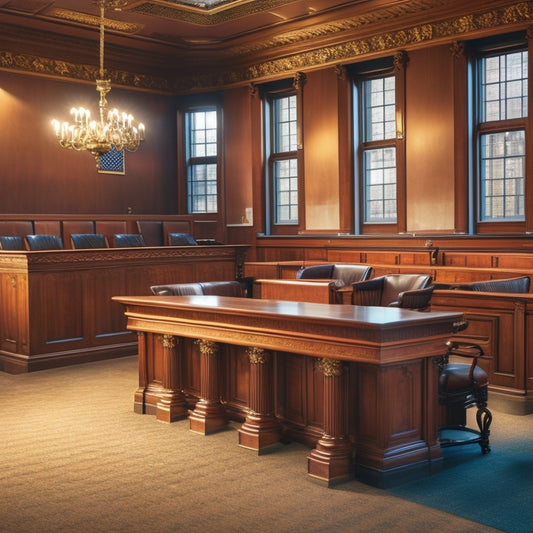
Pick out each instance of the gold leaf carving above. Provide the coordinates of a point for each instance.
(168, 341)
(330, 367)
(206, 347)
(92, 20)
(257, 355)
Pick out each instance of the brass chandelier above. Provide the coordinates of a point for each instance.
(113, 129)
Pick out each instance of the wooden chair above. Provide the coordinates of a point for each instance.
(128, 240)
(347, 274)
(181, 239)
(410, 291)
(88, 240)
(44, 242)
(461, 386)
(11, 242)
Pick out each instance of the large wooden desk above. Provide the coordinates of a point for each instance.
(378, 397)
(57, 308)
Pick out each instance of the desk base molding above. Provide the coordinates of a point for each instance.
(14, 363)
(397, 476)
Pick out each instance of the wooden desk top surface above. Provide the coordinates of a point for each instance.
(376, 334)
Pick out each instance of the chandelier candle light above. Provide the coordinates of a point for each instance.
(114, 129)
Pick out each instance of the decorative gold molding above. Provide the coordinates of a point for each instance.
(257, 355)
(330, 367)
(378, 43)
(63, 69)
(168, 341)
(206, 347)
(93, 20)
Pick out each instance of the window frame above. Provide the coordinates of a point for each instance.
(269, 94)
(476, 52)
(360, 74)
(193, 161)
(185, 105)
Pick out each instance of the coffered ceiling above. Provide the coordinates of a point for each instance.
(221, 41)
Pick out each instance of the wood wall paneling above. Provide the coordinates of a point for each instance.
(237, 154)
(430, 140)
(321, 150)
(41, 177)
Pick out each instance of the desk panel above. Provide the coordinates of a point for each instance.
(57, 307)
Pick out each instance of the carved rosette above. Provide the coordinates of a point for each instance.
(257, 356)
(168, 341)
(206, 347)
(329, 367)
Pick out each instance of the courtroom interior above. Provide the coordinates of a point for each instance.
(299, 221)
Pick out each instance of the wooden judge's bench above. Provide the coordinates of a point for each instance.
(57, 308)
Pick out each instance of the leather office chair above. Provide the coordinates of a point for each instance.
(410, 291)
(44, 242)
(347, 274)
(518, 285)
(181, 239)
(461, 386)
(88, 240)
(11, 242)
(217, 288)
(128, 240)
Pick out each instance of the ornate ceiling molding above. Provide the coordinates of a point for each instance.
(350, 24)
(231, 11)
(450, 29)
(89, 73)
(92, 20)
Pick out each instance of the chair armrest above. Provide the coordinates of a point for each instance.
(367, 292)
(416, 298)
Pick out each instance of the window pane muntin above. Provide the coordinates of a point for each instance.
(502, 175)
(379, 108)
(379, 169)
(285, 124)
(202, 168)
(284, 164)
(285, 181)
(504, 86)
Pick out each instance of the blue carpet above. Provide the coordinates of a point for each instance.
(495, 489)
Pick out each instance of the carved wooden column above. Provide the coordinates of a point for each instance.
(209, 414)
(261, 429)
(331, 460)
(172, 404)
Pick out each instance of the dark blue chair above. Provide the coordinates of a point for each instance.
(44, 242)
(181, 239)
(11, 242)
(128, 240)
(88, 240)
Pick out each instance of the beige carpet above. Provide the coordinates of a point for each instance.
(76, 458)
